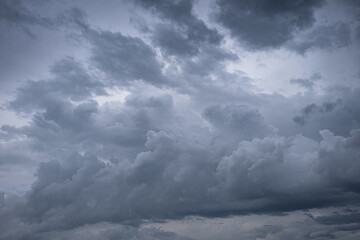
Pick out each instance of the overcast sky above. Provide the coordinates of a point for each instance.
(183, 119)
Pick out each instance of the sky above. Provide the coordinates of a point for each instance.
(183, 119)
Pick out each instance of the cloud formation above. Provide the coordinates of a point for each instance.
(262, 24)
(241, 120)
(183, 33)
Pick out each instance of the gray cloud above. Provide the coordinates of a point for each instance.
(336, 111)
(19, 13)
(71, 82)
(210, 60)
(337, 35)
(310, 109)
(185, 33)
(174, 178)
(240, 121)
(243, 173)
(102, 231)
(306, 83)
(125, 59)
(261, 24)
(173, 42)
(338, 219)
(59, 127)
(175, 125)
(16, 13)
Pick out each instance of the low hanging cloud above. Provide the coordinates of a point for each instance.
(174, 178)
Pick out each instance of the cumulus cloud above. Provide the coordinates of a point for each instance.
(174, 178)
(142, 131)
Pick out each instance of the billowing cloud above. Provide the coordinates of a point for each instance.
(174, 178)
(185, 128)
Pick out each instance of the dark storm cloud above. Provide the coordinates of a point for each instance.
(146, 182)
(265, 24)
(191, 137)
(176, 177)
(183, 33)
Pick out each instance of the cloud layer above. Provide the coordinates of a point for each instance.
(187, 112)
